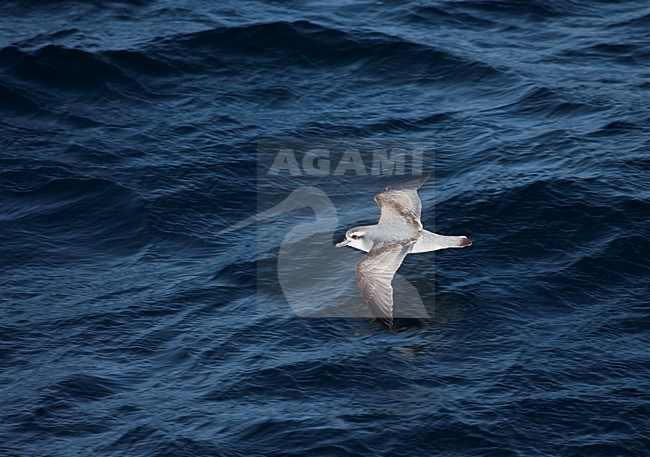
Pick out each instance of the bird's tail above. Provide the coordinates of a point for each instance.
(430, 241)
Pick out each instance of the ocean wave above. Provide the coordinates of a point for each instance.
(71, 218)
(57, 67)
(311, 45)
(515, 8)
(41, 81)
(429, 14)
(549, 102)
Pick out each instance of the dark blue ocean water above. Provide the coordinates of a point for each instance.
(129, 139)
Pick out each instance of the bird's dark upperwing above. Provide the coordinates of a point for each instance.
(374, 276)
(401, 201)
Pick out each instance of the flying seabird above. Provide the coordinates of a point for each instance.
(398, 233)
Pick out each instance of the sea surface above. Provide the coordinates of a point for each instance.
(131, 325)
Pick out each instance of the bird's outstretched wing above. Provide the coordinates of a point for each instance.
(374, 276)
(400, 202)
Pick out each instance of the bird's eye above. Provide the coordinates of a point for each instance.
(354, 236)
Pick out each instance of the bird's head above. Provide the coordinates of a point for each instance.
(354, 238)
